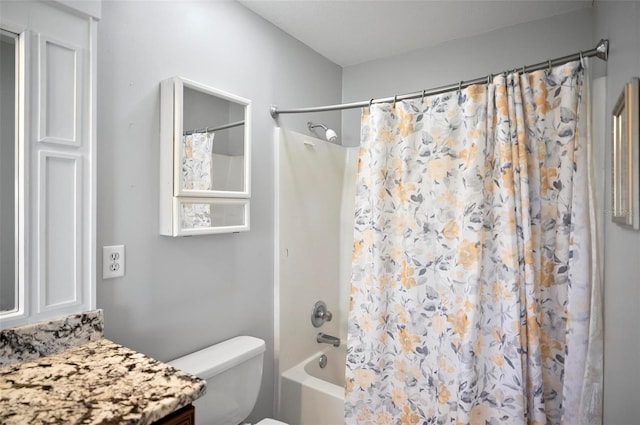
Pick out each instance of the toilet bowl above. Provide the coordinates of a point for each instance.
(233, 371)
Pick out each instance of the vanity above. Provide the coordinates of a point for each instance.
(65, 371)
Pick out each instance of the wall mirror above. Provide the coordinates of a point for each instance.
(205, 155)
(11, 295)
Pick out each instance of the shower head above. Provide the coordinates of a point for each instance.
(329, 134)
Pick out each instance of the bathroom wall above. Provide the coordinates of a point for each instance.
(620, 22)
(463, 59)
(182, 294)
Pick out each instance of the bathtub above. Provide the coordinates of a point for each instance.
(311, 395)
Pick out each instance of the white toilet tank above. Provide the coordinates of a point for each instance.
(233, 371)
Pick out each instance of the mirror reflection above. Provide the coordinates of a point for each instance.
(203, 215)
(213, 143)
(8, 240)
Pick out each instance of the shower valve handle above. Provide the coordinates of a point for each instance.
(326, 315)
(320, 314)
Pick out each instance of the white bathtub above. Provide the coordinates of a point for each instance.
(314, 396)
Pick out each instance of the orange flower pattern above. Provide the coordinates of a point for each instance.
(471, 268)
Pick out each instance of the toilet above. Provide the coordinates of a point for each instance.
(233, 371)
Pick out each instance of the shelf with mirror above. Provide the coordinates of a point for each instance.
(202, 216)
(205, 159)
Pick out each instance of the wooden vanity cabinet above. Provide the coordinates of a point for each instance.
(184, 416)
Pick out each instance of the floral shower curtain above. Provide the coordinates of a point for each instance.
(473, 276)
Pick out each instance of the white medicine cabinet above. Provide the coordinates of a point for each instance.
(205, 159)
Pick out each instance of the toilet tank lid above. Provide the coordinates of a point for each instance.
(218, 358)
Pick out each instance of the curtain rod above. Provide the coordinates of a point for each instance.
(209, 130)
(601, 51)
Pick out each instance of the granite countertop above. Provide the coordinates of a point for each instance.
(98, 382)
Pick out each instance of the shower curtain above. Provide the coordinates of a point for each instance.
(474, 294)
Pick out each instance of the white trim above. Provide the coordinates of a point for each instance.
(88, 8)
(24, 204)
(28, 19)
(43, 78)
(91, 191)
(276, 274)
(42, 261)
(21, 310)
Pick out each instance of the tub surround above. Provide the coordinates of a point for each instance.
(98, 382)
(319, 392)
(35, 340)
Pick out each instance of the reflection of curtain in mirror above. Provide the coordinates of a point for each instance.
(196, 162)
(196, 216)
(196, 175)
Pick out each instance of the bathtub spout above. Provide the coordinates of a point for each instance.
(323, 338)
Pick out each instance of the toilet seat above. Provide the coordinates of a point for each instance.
(269, 421)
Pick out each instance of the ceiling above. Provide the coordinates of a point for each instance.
(350, 32)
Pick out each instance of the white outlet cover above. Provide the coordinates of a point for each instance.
(112, 261)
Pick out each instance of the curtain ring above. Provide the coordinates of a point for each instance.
(524, 69)
(549, 68)
(395, 99)
(489, 78)
(581, 58)
(370, 103)
(423, 93)
(460, 86)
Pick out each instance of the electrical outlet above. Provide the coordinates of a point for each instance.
(112, 261)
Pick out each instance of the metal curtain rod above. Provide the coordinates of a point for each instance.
(211, 129)
(601, 51)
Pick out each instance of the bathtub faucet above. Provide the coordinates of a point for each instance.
(323, 338)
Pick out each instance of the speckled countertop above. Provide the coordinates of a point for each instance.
(98, 382)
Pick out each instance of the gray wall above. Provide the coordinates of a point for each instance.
(620, 22)
(183, 294)
(463, 59)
